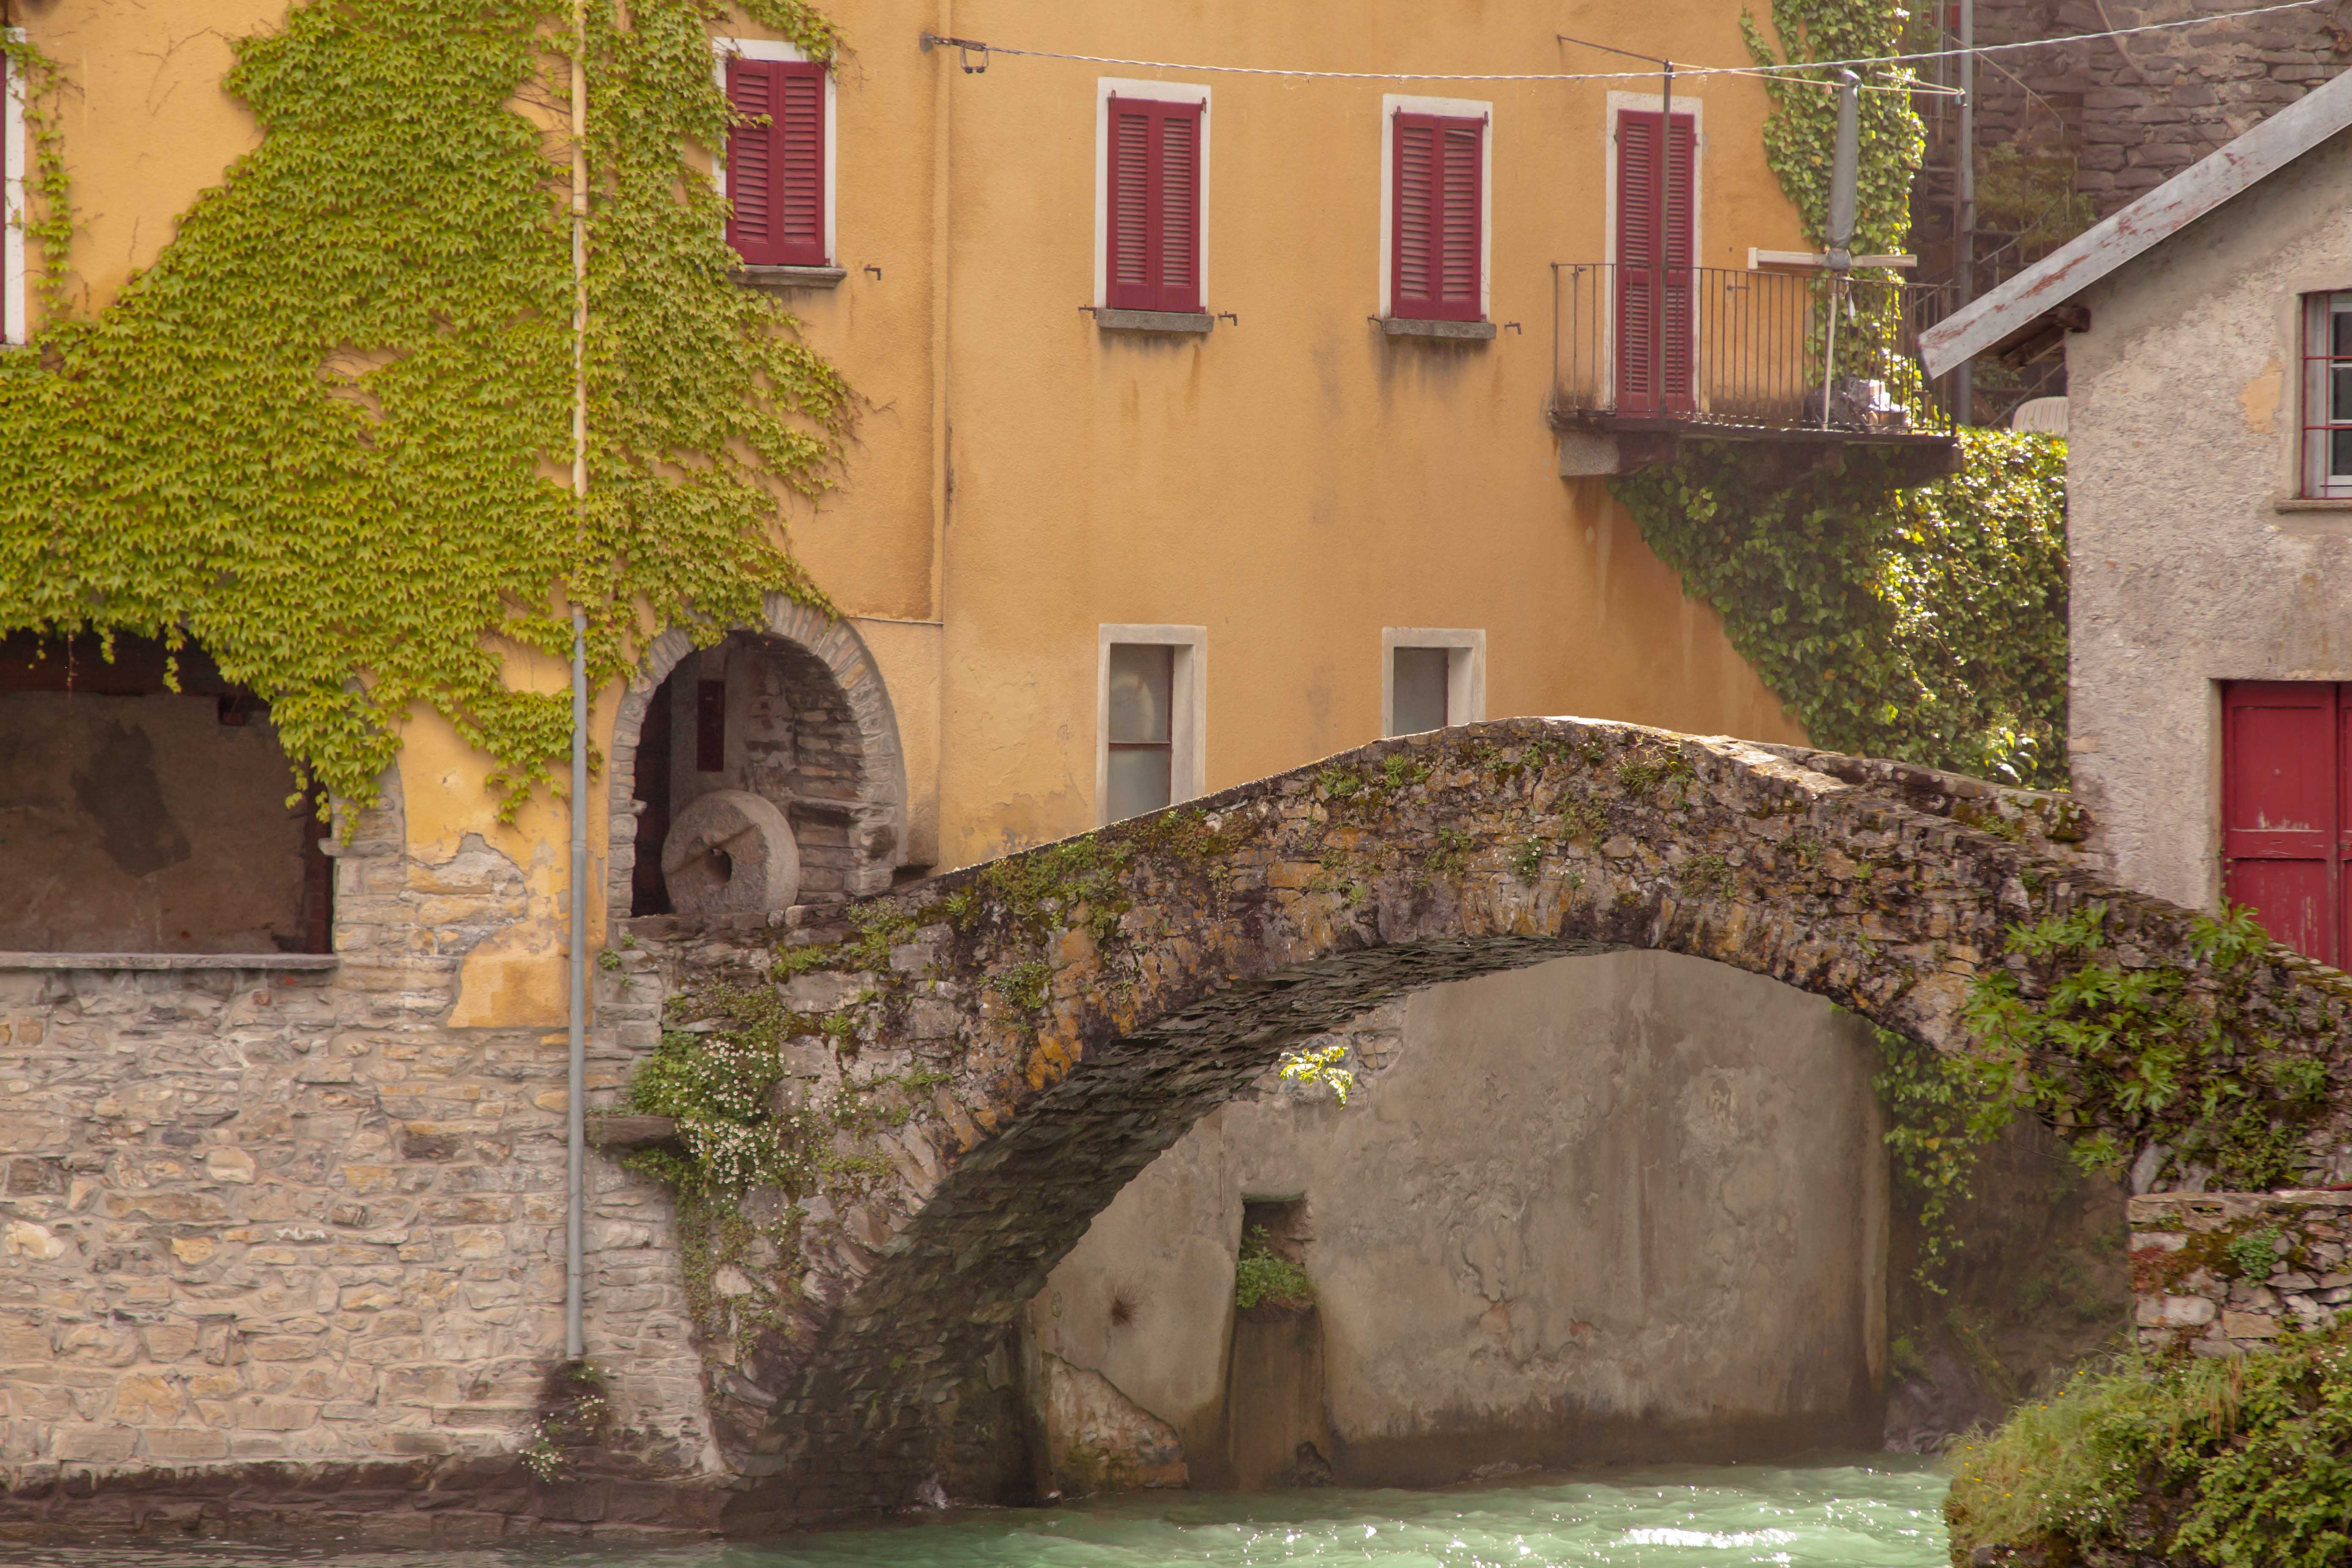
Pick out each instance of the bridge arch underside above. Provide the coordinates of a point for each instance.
(1184, 952)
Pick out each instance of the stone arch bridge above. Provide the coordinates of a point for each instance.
(1027, 1034)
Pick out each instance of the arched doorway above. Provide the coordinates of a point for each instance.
(795, 715)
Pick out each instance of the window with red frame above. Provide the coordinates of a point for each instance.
(2328, 394)
(775, 163)
(1436, 228)
(1151, 205)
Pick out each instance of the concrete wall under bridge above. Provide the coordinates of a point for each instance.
(1626, 1206)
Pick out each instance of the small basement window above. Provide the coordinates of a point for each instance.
(1150, 717)
(1435, 677)
(2328, 394)
(1143, 731)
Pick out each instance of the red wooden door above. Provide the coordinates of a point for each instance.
(1654, 264)
(2283, 808)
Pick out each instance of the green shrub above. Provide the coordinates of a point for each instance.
(1262, 1277)
(2235, 1462)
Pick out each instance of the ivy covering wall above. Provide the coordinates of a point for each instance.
(328, 434)
(1928, 623)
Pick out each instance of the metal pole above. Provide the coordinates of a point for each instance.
(577, 1082)
(1964, 201)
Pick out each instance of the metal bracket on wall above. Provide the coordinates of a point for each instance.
(964, 49)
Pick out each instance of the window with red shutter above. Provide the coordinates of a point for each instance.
(1438, 218)
(1151, 205)
(2286, 747)
(1654, 264)
(775, 163)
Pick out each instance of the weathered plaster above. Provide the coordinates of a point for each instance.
(1621, 1206)
(2185, 571)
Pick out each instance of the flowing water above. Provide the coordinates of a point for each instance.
(1881, 1512)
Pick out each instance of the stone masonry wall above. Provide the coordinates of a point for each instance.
(2223, 1273)
(277, 1247)
(2138, 110)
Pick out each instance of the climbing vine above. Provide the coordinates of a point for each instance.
(48, 220)
(327, 435)
(1927, 624)
(2126, 1064)
(1800, 133)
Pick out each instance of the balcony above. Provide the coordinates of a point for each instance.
(1646, 358)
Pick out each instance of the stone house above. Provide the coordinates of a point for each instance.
(283, 1115)
(2206, 328)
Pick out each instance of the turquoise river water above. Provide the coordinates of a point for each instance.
(1880, 1511)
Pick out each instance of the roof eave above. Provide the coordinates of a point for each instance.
(2008, 311)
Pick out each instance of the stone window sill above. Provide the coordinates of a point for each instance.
(180, 961)
(773, 279)
(2312, 503)
(1411, 327)
(1197, 322)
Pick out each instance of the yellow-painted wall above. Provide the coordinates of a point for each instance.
(1294, 482)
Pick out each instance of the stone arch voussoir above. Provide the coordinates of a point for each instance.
(1074, 1008)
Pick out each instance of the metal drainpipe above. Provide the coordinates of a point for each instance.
(1964, 200)
(576, 1082)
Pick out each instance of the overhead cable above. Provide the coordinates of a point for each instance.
(1786, 71)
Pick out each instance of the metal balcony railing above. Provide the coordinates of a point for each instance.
(1746, 353)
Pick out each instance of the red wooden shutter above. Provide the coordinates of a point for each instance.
(1654, 261)
(1437, 217)
(1180, 207)
(2282, 809)
(1152, 229)
(775, 170)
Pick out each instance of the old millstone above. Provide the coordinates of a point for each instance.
(730, 852)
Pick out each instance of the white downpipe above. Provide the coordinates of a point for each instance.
(576, 1082)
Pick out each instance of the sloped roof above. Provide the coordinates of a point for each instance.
(2145, 223)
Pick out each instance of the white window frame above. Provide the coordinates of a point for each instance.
(15, 323)
(1188, 705)
(1650, 103)
(1466, 670)
(721, 50)
(1393, 104)
(1106, 88)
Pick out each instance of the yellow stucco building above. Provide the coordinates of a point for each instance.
(1214, 416)
(1268, 493)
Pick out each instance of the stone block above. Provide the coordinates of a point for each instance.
(97, 1445)
(183, 1445)
(2239, 1325)
(254, 1414)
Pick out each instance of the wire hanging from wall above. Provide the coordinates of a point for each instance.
(1790, 72)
